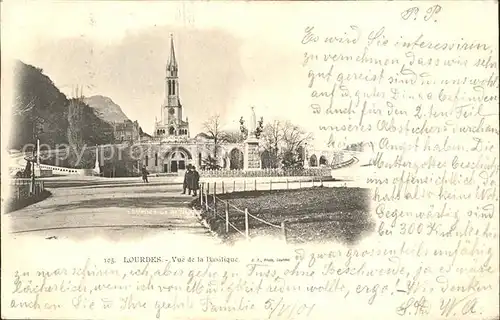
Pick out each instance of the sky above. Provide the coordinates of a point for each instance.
(231, 55)
(121, 52)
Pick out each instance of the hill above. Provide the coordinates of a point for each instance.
(105, 108)
(42, 110)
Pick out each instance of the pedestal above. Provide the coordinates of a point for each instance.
(251, 158)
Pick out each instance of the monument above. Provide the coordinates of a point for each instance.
(252, 160)
(97, 167)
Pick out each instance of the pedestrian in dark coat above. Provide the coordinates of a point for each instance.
(185, 184)
(145, 174)
(195, 180)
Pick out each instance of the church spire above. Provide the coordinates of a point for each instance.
(172, 62)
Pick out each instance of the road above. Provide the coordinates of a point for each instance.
(83, 207)
(80, 209)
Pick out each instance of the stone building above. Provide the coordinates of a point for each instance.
(126, 131)
(171, 123)
(171, 148)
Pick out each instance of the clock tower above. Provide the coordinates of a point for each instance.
(171, 123)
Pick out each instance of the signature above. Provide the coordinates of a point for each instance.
(414, 307)
(449, 306)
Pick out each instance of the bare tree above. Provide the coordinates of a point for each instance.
(294, 136)
(283, 142)
(272, 138)
(76, 125)
(214, 132)
(294, 140)
(232, 136)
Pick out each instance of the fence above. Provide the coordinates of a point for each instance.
(210, 206)
(25, 187)
(66, 171)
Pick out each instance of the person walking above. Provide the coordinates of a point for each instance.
(195, 180)
(185, 184)
(145, 174)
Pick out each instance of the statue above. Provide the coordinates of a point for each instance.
(243, 129)
(255, 129)
(242, 125)
(260, 128)
(252, 121)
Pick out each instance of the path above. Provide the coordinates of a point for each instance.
(112, 209)
(82, 207)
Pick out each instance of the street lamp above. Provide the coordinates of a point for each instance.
(305, 154)
(36, 155)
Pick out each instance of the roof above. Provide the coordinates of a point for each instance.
(202, 135)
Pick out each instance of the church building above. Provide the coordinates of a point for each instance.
(171, 148)
(171, 123)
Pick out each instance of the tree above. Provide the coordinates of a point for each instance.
(292, 160)
(75, 134)
(294, 136)
(294, 140)
(232, 136)
(272, 138)
(214, 132)
(210, 163)
(285, 142)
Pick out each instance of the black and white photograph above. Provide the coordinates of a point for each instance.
(280, 160)
(182, 163)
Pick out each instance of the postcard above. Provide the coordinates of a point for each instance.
(250, 160)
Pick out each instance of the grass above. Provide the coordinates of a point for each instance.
(315, 214)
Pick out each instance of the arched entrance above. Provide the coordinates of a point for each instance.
(176, 159)
(235, 159)
(323, 161)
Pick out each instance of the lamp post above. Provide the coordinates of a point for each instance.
(36, 157)
(304, 155)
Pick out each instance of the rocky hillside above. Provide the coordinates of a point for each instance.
(105, 108)
(42, 110)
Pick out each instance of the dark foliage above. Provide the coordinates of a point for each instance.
(210, 163)
(41, 110)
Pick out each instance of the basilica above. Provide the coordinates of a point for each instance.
(171, 123)
(172, 148)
